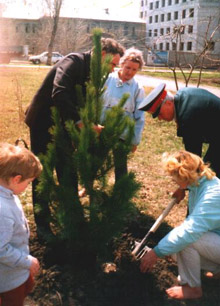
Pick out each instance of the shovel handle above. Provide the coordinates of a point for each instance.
(136, 252)
(160, 219)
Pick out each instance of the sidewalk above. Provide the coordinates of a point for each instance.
(170, 84)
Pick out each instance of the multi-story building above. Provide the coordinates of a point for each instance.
(73, 34)
(182, 25)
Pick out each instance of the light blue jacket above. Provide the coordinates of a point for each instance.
(115, 89)
(15, 260)
(204, 216)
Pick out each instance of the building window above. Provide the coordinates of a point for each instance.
(163, 3)
(150, 33)
(156, 18)
(175, 15)
(168, 31)
(151, 5)
(125, 30)
(155, 32)
(27, 28)
(184, 14)
(182, 29)
(161, 46)
(34, 28)
(176, 1)
(155, 47)
(161, 31)
(173, 46)
(189, 46)
(210, 45)
(190, 29)
(133, 31)
(162, 18)
(184, 1)
(168, 16)
(191, 12)
(167, 46)
(150, 19)
(181, 46)
(141, 14)
(157, 4)
(142, 2)
(169, 2)
(175, 30)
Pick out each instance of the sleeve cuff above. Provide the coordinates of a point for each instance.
(158, 253)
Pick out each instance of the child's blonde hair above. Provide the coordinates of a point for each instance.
(186, 166)
(15, 160)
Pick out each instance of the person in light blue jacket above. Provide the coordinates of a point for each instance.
(196, 242)
(18, 168)
(122, 82)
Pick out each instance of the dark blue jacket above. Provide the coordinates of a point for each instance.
(198, 117)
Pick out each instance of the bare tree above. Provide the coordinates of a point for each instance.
(53, 7)
(75, 35)
(178, 60)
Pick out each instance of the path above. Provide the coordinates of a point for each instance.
(143, 79)
(170, 84)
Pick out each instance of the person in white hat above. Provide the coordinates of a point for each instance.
(197, 114)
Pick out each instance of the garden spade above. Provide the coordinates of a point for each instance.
(140, 248)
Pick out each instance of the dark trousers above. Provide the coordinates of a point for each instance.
(120, 161)
(15, 297)
(213, 157)
(39, 142)
(212, 154)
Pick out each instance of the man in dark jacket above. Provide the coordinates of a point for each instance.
(197, 114)
(58, 89)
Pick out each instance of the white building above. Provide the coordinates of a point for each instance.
(182, 25)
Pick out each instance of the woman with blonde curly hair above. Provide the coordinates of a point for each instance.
(195, 244)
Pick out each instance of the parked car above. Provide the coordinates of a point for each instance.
(42, 58)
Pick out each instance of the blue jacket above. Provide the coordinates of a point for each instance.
(15, 260)
(197, 116)
(115, 89)
(204, 216)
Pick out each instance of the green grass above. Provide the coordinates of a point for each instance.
(18, 86)
(211, 78)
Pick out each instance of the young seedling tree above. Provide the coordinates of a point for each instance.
(85, 226)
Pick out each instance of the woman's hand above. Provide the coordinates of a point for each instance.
(179, 194)
(148, 261)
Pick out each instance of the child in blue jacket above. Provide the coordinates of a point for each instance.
(18, 167)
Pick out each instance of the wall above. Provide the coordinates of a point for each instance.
(73, 35)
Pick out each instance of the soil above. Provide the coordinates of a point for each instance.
(117, 282)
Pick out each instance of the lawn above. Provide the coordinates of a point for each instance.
(211, 78)
(57, 285)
